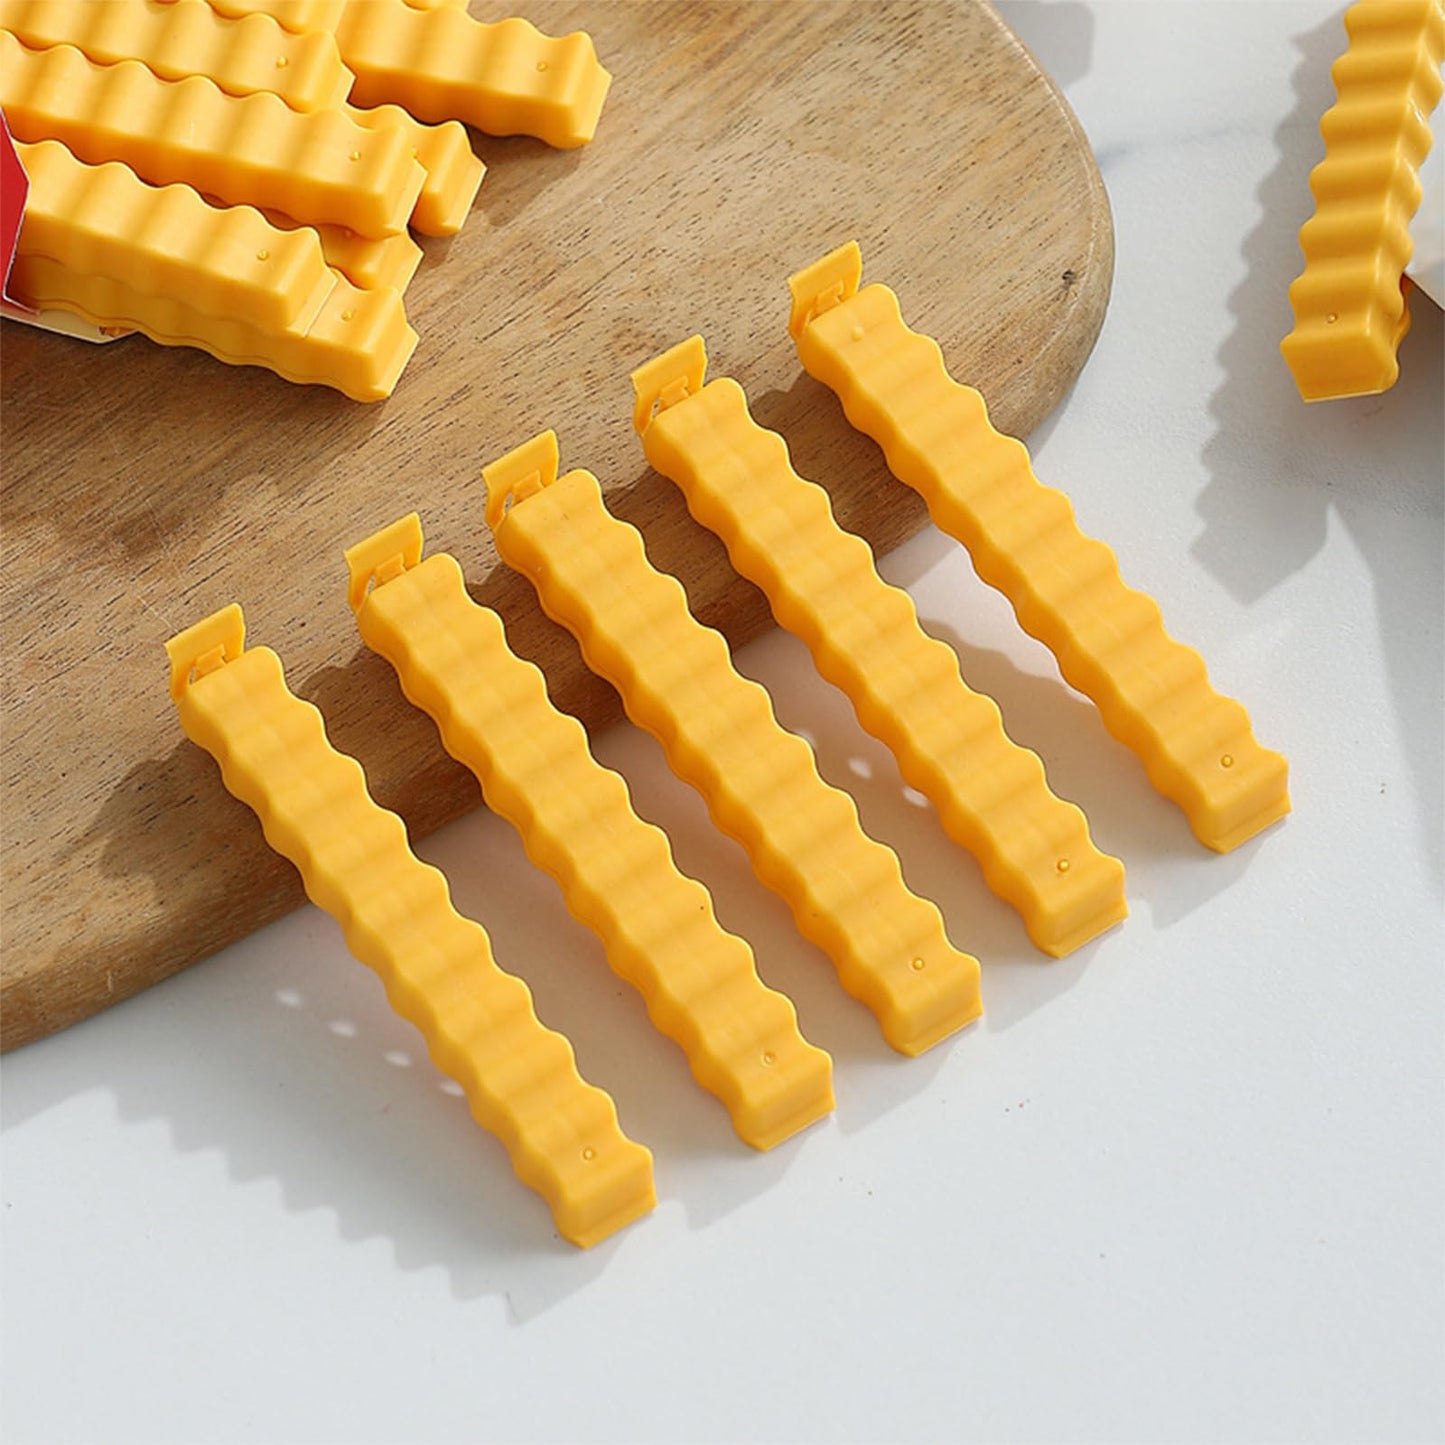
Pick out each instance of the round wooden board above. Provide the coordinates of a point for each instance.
(145, 487)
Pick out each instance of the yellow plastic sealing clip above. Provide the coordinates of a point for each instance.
(760, 783)
(373, 264)
(358, 342)
(536, 770)
(1152, 692)
(99, 243)
(453, 172)
(991, 795)
(177, 38)
(232, 263)
(254, 149)
(1350, 310)
(520, 1078)
(505, 78)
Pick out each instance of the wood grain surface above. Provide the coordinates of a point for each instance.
(145, 487)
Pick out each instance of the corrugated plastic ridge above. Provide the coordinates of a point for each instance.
(253, 149)
(453, 171)
(387, 263)
(297, 16)
(612, 655)
(361, 354)
(505, 78)
(1350, 313)
(575, 817)
(520, 1078)
(228, 262)
(187, 37)
(823, 585)
(635, 629)
(899, 392)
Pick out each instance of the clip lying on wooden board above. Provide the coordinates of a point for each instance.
(536, 770)
(991, 795)
(398, 918)
(252, 149)
(243, 55)
(761, 783)
(505, 78)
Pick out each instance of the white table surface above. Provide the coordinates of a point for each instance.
(1184, 1185)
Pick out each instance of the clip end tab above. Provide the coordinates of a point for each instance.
(520, 474)
(668, 379)
(825, 284)
(382, 557)
(205, 646)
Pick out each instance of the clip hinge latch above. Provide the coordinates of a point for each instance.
(522, 473)
(668, 379)
(205, 647)
(824, 285)
(382, 557)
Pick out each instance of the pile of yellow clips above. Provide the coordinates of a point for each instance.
(241, 176)
(761, 784)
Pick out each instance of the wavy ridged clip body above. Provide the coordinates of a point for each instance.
(1152, 692)
(316, 166)
(1350, 311)
(761, 783)
(102, 244)
(575, 817)
(177, 38)
(519, 1077)
(991, 795)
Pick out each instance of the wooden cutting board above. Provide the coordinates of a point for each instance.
(145, 487)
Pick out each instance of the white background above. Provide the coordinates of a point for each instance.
(1185, 1185)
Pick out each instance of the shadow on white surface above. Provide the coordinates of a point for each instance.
(1278, 469)
(309, 1081)
(923, 552)
(306, 1078)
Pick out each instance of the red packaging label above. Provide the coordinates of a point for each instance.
(14, 186)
